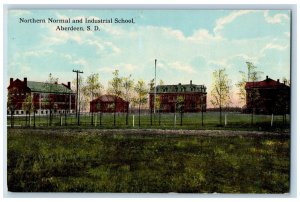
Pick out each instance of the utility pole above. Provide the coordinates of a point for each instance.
(155, 88)
(77, 95)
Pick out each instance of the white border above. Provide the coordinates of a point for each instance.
(181, 5)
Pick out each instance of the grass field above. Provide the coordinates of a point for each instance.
(77, 161)
(167, 121)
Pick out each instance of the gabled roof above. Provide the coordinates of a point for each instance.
(107, 98)
(267, 83)
(47, 87)
(180, 88)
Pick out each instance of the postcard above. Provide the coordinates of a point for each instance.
(148, 100)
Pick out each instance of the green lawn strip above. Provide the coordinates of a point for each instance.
(146, 163)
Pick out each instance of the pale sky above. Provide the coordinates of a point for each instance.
(188, 45)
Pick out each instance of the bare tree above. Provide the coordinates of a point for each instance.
(251, 75)
(49, 100)
(83, 99)
(220, 90)
(128, 84)
(115, 88)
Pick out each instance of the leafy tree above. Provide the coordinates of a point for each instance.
(12, 101)
(115, 88)
(202, 107)
(151, 85)
(141, 90)
(28, 106)
(128, 84)
(92, 89)
(49, 101)
(158, 106)
(220, 90)
(180, 106)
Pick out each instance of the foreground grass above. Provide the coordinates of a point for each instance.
(77, 162)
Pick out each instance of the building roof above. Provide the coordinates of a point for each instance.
(47, 87)
(267, 83)
(180, 88)
(108, 98)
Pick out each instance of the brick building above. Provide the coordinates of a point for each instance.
(59, 98)
(106, 103)
(194, 97)
(267, 97)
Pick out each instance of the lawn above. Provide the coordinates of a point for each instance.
(80, 161)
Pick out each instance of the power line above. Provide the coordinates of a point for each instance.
(77, 96)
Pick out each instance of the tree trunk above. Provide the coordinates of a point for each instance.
(127, 114)
(159, 117)
(12, 119)
(220, 115)
(139, 114)
(65, 117)
(202, 115)
(26, 119)
(100, 118)
(150, 116)
(115, 107)
(29, 119)
(34, 118)
(181, 114)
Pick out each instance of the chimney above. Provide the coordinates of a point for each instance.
(55, 82)
(179, 84)
(267, 77)
(277, 80)
(25, 81)
(11, 81)
(69, 84)
(191, 82)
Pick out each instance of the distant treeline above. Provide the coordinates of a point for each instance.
(225, 109)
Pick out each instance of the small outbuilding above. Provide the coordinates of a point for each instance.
(107, 103)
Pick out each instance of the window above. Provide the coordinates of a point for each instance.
(22, 112)
(42, 112)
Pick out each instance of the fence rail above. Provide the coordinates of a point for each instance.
(147, 120)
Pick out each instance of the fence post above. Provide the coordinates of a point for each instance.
(65, 117)
(174, 119)
(225, 119)
(100, 118)
(133, 120)
(29, 120)
(34, 118)
(272, 118)
(60, 117)
(96, 120)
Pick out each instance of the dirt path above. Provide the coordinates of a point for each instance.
(149, 132)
